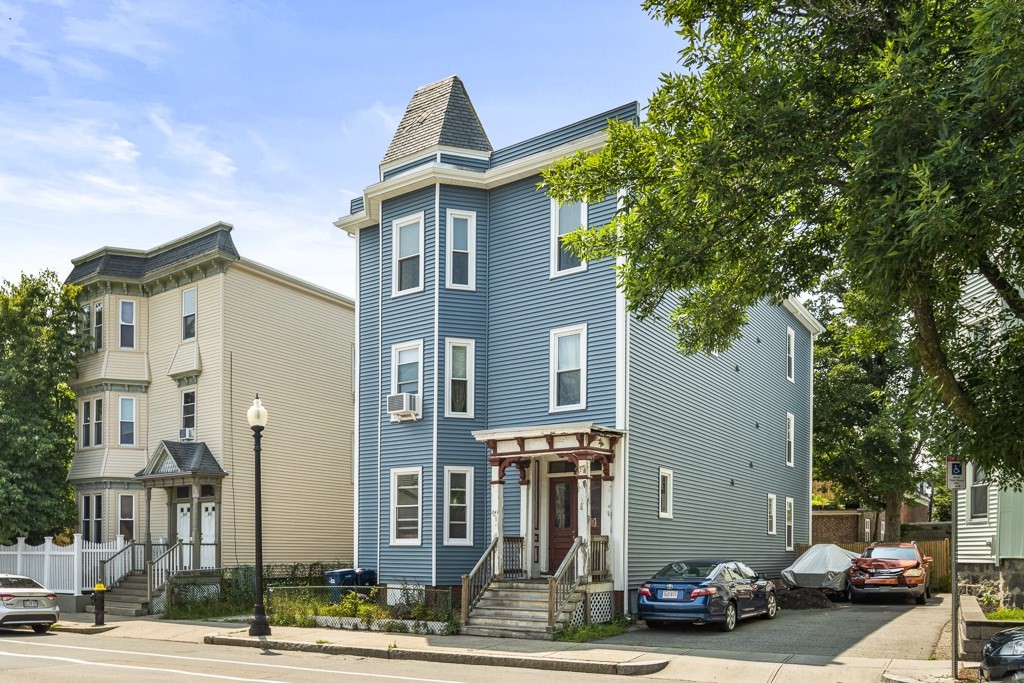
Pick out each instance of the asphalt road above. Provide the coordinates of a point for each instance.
(881, 628)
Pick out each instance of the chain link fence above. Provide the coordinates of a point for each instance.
(398, 609)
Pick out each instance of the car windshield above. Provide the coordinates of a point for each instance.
(17, 582)
(686, 570)
(890, 553)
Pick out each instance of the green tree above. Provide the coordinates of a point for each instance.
(883, 139)
(869, 433)
(38, 349)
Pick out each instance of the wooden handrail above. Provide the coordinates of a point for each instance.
(474, 583)
(107, 581)
(564, 581)
(151, 579)
(599, 567)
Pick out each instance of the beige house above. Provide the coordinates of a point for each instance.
(183, 336)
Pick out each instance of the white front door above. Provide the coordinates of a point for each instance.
(184, 529)
(208, 551)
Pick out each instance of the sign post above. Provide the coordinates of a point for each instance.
(956, 480)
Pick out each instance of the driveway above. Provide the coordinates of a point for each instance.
(890, 629)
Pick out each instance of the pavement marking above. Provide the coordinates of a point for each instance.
(200, 659)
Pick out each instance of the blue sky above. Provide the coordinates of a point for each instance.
(130, 123)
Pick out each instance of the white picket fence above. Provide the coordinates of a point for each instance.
(66, 569)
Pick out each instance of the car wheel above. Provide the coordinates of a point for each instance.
(927, 591)
(773, 606)
(922, 599)
(40, 628)
(853, 596)
(654, 623)
(730, 617)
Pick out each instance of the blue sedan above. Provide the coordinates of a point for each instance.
(706, 592)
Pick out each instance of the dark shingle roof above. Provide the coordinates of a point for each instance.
(138, 267)
(190, 457)
(438, 114)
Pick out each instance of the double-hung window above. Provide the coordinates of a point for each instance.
(407, 249)
(979, 492)
(188, 314)
(771, 514)
(92, 423)
(126, 516)
(126, 422)
(568, 380)
(459, 365)
(790, 439)
(97, 324)
(92, 518)
(86, 325)
(790, 354)
(86, 424)
(406, 368)
(127, 324)
(789, 524)
(566, 218)
(188, 410)
(664, 493)
(461, 250)
(458, 508)
(405, 506)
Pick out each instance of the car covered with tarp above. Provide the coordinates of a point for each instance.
(822, 566)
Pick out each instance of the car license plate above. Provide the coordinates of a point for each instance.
(30, 603)
(669, 595)
(885, 582)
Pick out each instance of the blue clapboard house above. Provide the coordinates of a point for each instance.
(522, 438)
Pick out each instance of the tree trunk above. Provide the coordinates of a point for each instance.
(893, 507)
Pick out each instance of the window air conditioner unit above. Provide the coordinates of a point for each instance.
(402, 405)
(187, 434)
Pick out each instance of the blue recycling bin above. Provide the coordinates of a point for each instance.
(338, 580)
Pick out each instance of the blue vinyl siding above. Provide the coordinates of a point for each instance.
(722, 432)
(370, 400)
(356, 205)
(525, 304)
(423, 161)
(465, 162)
(408, 318)
(563, 135)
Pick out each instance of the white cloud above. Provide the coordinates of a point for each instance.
(15, 46)
(185, 143)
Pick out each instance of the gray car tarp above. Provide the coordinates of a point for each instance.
(822, 566)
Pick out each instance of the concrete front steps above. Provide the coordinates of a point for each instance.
(516, 609)
(127, 599)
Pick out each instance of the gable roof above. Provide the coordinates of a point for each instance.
(180, 457)
(131, 264)
(439, 113)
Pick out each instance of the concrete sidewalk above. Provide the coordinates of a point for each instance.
(677, 664)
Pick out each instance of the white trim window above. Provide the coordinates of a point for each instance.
(566, 218)
(92, 518)
(790, 354)
(407, 255)
(568, 372)
(86, 424)
(407, 370)
(771, 514)
(126, 422)
(664, 493)
(789, 524)
(790, 439)
(126, 516)
(92, 423)
(458, 506)
(188, 314)
(406, 500)
(459, 377)
(460, 263)
(979, 493)
(97, 324)
(188, 409)
(881, 526)
(867, 529)
(127, 323)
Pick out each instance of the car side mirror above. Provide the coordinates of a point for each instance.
(761, 576)
(927, 560)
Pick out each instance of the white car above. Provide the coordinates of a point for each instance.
(23, 602)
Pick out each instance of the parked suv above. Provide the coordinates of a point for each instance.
(890, 569)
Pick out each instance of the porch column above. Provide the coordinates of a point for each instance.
(149, 524)
(497, 515)
(583, 517)
(526, 515)
(195, 522)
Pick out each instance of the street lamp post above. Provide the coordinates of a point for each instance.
(257, 417)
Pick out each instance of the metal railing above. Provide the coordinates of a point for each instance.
(564, 582)
(513, 557)
(600, 570)
(474, 583)
(160, 569)
(118, 565)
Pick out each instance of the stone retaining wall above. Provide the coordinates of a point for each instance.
(976, 630)
(1008, 577)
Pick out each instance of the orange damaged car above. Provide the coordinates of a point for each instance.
(890, 569)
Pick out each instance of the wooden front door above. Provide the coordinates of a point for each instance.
(561, 520)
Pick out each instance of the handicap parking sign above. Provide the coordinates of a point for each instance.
(955, 476)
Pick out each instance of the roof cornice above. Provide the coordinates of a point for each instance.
(800, 312)
(146, 253)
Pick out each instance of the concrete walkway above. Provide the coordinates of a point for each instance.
(698, 666)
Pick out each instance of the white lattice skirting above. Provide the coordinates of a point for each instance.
(601, 611)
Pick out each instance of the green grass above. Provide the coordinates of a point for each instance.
(201, 610)
(1006, 614)
(585, 634)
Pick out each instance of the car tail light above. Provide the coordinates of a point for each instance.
(6, 596)
(645, 590)
(701, 591)
(51, 596)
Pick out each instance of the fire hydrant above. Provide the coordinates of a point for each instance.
(98, 592)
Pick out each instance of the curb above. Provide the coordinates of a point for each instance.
(76, 628)
(896, 678)
(513, 661)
